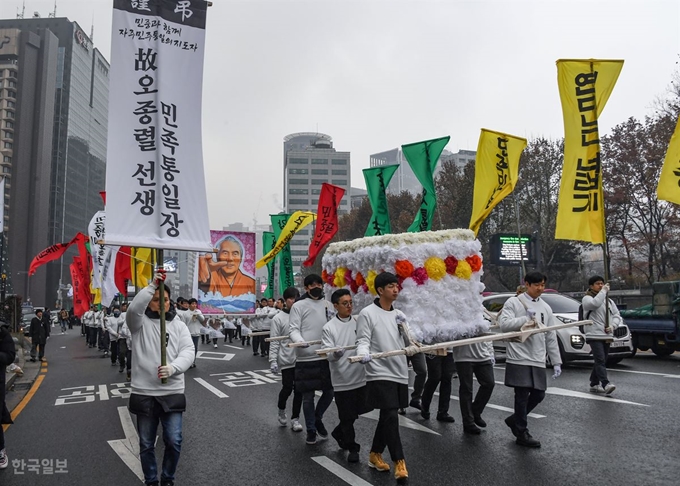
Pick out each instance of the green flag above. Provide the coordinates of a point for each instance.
(268, 242)
(284, 257)
(377, 179)
(423, 158)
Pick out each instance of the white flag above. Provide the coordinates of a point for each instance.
(155, 183)
(96, 232)
(108, 275)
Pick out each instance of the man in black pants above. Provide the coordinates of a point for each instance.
(477, 359)
(440, 371)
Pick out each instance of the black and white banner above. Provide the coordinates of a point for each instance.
(155, 183)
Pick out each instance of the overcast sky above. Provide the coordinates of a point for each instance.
(375, 74)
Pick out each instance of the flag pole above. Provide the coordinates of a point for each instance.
(522, 268)
(161, 297)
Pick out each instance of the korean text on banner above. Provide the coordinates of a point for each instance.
(226, 276)
(155, 183)
(585, 87)
(297, 221)
(268, 243)
(96, 231)
(327, 220)
(496, 171)
(423, 158)
(377, 179)
(284, 255)
(669, 181)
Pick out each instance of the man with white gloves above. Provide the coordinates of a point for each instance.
(151, 400)
(598, 308)
(525, 363)
(380, 328)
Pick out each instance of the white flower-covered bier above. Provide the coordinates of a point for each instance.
(439, 273)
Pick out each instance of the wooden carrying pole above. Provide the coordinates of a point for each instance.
(276, 338)
(259, 333)
(303, 344)
(523, 335)
(325, 351)
(161, 298)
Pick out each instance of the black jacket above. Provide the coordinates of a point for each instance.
(40, 331)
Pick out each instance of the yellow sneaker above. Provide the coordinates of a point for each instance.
(400, 471)
(376, 461)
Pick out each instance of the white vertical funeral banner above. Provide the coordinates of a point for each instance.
(155, 183)
(96, 231)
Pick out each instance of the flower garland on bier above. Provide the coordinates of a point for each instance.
(439, 273)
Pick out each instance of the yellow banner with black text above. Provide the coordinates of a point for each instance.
(297, 221)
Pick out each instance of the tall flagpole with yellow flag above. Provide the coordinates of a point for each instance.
(585, 86)
(668, 188)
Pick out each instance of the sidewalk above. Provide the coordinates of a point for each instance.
(17, 386)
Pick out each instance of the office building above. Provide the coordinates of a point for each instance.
(309, 160)
(357, 197)
(59, 148)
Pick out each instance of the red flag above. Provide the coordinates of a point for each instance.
(103, 196)
(83, 277)
(326, 220)
(80, 306)
(55, 251)
(122, 269)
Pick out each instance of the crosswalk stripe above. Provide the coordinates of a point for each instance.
(211, 388)
(340, 471)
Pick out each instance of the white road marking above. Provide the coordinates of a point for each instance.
(651, 373)
(403, 422)
(211, 388)
(234, 347)
(62, 347)
(214, 355)
(589, 396)
(340, 471)
(496, 407)
(128, 448)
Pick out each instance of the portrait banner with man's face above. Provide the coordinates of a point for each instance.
(226, 277)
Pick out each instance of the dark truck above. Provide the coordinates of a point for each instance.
(655, 326)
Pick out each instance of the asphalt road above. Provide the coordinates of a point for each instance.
(231, 435)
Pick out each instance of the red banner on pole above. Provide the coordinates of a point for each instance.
(55, 251)
(81, 284)
(326, 220)
(123, 272)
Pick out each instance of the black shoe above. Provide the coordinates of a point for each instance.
(113, 363)
(416, 404)
(321, 430)
(472, 429)
(311, 438)
(425, 415)
(338, 439)
(167, 482)
(40, 359)
(353, 456)
(32, 360)
(479, 421)
(155, 483)
(121, 369)
(525, 439)
(401, 411)
(510, 422)
(445, 417)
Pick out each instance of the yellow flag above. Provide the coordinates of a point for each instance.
(496, 169)
(585, 86)
(297, 221)
(142, 267)
(96, 293)
(669, 181)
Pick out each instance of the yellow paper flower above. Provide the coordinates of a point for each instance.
(339, 280)
(370, 281)
(435, 268)
(463, 270)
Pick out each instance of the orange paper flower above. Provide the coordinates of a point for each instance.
(475, 262)
(403, 268)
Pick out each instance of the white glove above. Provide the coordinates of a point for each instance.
(274, 368)
(531, 314)
(605, 287)
(166, 371)
(493, 360)
(558, 371)
(412, 349)
(366, 358)
(339, 353)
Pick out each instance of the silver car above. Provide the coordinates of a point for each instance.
(572, 341)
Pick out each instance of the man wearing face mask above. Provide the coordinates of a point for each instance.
(113, 324)
(312, 372)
